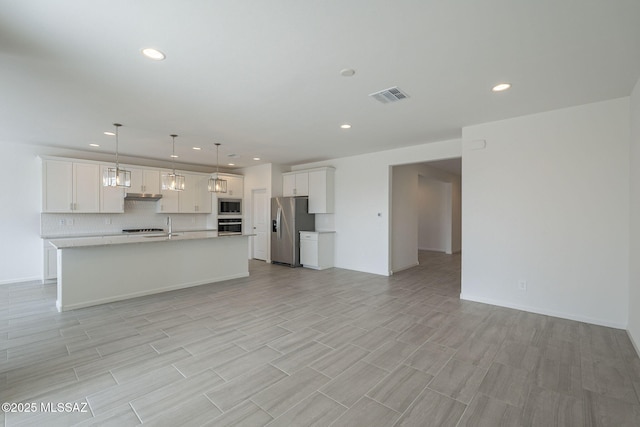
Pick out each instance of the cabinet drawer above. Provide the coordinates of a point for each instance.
(308, 236)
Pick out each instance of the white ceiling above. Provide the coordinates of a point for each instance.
(263, 77)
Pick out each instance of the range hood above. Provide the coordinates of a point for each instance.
(143, 196)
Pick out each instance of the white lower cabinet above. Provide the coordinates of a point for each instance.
(50, 268)
(316, 249)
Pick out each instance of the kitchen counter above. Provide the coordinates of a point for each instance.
(99, 270)
(76, 242)
(115, 233)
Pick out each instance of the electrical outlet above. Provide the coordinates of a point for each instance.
(107, 221)
(61, 222)
(69, 221)
(522, 285)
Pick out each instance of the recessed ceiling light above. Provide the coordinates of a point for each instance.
(231, 164)
(500, 87)
(197, 148)
(256, 158)
(109, 133)
(347, 72)
(94, 145)
(345, 126)
(152, 53)
(175, 156)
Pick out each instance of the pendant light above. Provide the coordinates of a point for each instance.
(217, 185)
(173, 181)
(116, 177)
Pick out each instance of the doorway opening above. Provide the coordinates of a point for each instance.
(260, 224)
(425, 212)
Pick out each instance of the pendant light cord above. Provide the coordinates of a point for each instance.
(217, 160)
(117, 125)
(173, 154)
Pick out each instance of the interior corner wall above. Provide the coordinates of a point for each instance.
(21, 252)
(434, 215)
(634, 253)
(362, 202)
(404, 218)
(547, 202)
(255, 178)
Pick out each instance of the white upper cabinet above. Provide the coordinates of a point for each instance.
(295, 184)
(316, 183)
(195, 198)
(111, 198)
(235, 186)
(70, 186)
(144, 181)
(203, 196)
(321, 183)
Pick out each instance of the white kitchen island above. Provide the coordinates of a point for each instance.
(98, 270)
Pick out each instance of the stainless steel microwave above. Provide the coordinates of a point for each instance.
(229, 206)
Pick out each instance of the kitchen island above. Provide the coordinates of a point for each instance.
(98, 270)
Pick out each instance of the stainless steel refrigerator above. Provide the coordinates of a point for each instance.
(289, 216)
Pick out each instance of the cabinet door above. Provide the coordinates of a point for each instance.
(137, 180)
(111, 198)
(50, 263)
(57, 186)
(288, 185)
(309, 252)
(151, 181)
(302, 184)
(235, 187)
(203, 196)
(170, 202)
(86, 187)
(187, 198)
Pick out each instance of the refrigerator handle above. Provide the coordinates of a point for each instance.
(278, 224)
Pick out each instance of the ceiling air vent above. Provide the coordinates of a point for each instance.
(392, 94)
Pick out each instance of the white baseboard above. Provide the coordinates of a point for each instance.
(543, 311)
(21, 280)
(635, 344)
(397, 270)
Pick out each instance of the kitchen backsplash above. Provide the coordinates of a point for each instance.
(137, 214)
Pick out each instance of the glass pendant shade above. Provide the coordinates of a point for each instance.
(116, 177)
(173, 182)
(217, 185)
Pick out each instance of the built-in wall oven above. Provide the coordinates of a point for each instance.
(229, 206)
(228, 226)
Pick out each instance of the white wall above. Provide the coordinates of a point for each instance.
(256, 178)
(404, 217)
(21, 248)
(634, 258)
(434, 215)
(362, 192)
(547, 201)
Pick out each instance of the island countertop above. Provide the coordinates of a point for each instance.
(78, 242)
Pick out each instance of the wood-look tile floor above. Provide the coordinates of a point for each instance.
(296, 347)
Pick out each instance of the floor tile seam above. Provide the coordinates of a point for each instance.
(453, 398)
(334, 400)
(486, 371)
(414, 399)
(227, 380)
(608, 396)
